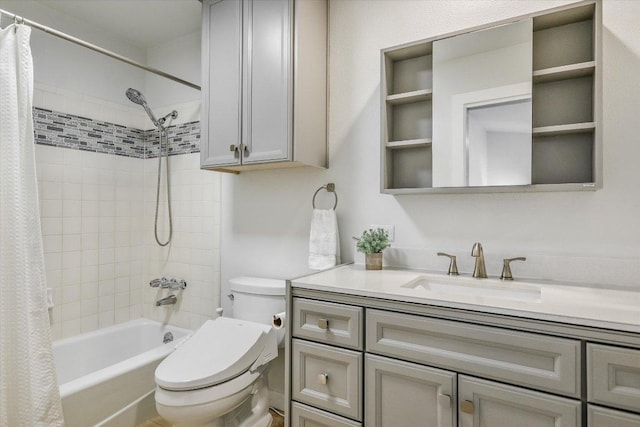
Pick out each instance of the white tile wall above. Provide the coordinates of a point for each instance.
(97, 221)
(92, 242)
(194, 254)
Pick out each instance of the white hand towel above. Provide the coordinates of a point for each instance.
(324, 242)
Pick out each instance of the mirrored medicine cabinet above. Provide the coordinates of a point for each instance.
(511, 106)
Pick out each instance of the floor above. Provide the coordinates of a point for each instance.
(155, 422)
(278, 421)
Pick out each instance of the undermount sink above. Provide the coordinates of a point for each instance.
(465, 286)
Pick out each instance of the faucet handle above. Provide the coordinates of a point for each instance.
(506, 268)
(453, 265)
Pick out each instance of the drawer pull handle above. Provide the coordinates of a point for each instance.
(323, 378)
(444, 400)
(466, 406)
(323, 324)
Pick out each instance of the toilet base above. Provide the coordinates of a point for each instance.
(253, 411)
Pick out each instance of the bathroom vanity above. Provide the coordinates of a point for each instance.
(410, 348)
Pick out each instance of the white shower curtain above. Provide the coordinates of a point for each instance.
(29, 393)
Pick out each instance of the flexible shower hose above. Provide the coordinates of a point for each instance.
(162, 132)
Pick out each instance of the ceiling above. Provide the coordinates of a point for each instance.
(144, 23)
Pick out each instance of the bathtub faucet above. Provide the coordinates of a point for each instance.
(171, 299)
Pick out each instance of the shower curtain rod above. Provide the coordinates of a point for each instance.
(95, 48)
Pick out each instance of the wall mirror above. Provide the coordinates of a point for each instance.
(508, 106)
(482, 107)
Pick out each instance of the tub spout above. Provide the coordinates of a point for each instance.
(171, 299)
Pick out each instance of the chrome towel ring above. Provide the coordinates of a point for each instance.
(331, 188)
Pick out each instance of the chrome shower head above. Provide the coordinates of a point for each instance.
(136, 96)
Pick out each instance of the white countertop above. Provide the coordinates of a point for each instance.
(600, 306)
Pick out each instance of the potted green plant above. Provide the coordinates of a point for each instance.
(371, 243)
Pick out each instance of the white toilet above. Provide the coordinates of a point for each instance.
(217, 377)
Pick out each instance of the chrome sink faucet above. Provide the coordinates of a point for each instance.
(479, 271)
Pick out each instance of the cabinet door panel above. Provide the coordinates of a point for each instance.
(267, 87)
(614, 376)
(327, 377)
(329, 323)
(222, 82)
(603, 417)
(306, 416)
(401, 394)
(541, 362)
(488, 404)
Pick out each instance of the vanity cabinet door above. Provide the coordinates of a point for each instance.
(603, 417)
(613, 376)
(487, 404)
(327, 377)
(402, 394)
(328, 323)
(307, 416)
(537, 361)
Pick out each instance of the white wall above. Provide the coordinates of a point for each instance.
(586, 227)
(64, 65)
(180, 57)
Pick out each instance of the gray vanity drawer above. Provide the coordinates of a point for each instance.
(327, 322)
(327, 377)
(306, 416)
(604, 417)
(537, 361)
(613, 376)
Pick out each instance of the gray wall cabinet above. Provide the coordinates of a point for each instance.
(264, 84)
(358, 361)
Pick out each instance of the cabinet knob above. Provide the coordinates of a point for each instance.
(323, 378)
(323, 324)
(233, 147)
(466, 406)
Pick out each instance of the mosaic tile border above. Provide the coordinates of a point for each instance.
(81, 133)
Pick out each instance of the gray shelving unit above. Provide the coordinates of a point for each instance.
(407, 124)
(566, 97)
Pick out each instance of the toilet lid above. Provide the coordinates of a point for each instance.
(219, 351)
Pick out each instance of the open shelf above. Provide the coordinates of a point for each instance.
(563, 158)
(410, 167)
(564, 72)
(409, 97)
(411, 143)
(407, 82)
(588, 127)
(563, 102)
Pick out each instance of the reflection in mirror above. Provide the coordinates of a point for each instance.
(483, 77)
(499, 144)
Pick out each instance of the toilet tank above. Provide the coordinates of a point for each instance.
(256, 299)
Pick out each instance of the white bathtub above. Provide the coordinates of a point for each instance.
(106, 377)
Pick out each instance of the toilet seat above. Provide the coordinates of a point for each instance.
(201, 396)
(220, 352)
